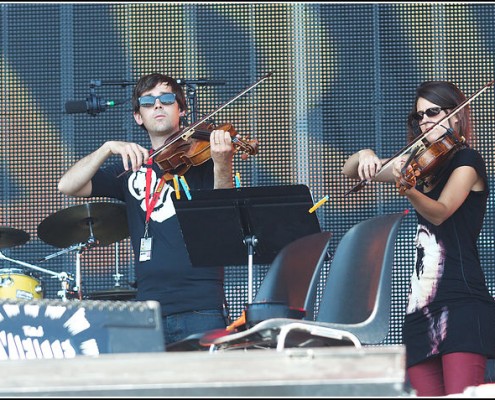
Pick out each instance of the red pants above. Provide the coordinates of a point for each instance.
(447, 374)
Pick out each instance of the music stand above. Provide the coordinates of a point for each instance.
(217, 225)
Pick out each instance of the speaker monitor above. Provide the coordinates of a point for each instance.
(45, 329)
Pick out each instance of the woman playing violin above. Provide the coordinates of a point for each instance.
(191, 298)
(449, 326)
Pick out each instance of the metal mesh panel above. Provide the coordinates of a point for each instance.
(343, 79)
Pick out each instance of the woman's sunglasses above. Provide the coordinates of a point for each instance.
(430, 112)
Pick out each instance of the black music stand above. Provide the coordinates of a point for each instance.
(218, 225)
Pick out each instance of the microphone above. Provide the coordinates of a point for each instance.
(92, 105)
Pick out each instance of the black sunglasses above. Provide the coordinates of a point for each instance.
(430, 112)
(149, 101)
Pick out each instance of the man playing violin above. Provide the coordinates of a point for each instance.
(449, 326)
(192, 298)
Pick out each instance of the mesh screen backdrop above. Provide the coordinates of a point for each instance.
(343, 79)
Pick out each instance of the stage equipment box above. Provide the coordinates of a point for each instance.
(56, 329)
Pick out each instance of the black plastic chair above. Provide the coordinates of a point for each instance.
(287, 290)
(289, 286)
(355, 305)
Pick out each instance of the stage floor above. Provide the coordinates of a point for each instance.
(318, 372)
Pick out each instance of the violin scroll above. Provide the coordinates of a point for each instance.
(247, 147)
(407, 179)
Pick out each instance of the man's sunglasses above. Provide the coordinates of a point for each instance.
(149, 101)
(430, 112)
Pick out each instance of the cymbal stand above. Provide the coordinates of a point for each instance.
(77, 286)
(80, 248)
(89, 243)
(62, 276)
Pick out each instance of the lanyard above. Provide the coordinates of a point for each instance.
(150, 204)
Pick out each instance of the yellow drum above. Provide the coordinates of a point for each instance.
(15, 284)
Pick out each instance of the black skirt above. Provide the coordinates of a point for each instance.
(463, 326)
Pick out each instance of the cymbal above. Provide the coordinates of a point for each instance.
(10, 237)
(107, 222)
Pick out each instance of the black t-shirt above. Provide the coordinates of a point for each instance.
(168, 277)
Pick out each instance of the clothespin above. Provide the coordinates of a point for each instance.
(319, 204)
(176, 187)
(185, 186)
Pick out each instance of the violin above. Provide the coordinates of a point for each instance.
(436, 149)
(180, 154)
(423, 166)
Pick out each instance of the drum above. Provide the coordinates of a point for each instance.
(15, 284)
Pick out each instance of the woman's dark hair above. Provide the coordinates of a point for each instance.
(148, 82)
(445, 95)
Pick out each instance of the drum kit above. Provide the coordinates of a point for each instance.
(76, 228)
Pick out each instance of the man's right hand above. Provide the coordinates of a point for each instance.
(133, 155)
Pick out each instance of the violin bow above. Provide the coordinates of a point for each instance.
(189, 131)
(418, 142)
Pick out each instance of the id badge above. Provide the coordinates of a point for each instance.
(145, 250)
